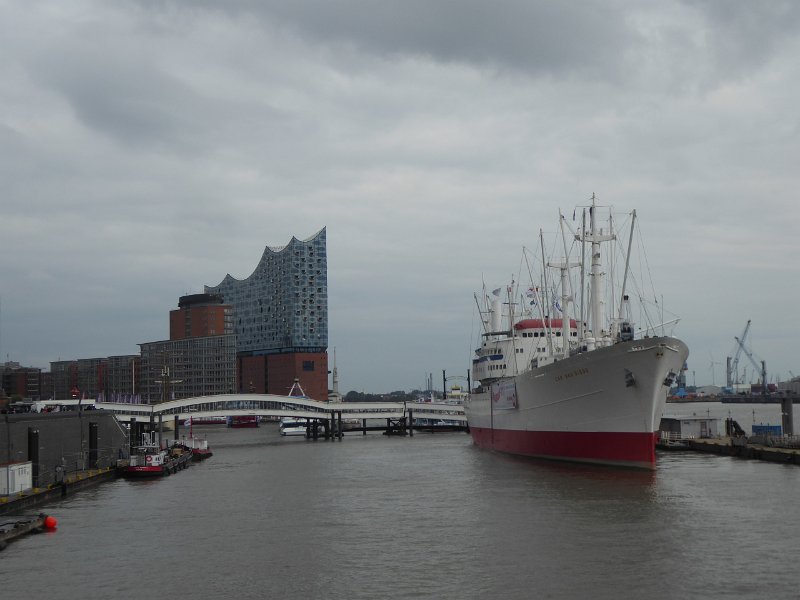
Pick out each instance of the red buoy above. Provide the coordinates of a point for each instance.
(50, 522)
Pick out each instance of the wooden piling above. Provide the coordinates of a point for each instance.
(132, 435)
(33, 454)
(92, 445)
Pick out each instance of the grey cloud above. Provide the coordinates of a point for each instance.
(741, 35)
(122, 93)
(150, 148)
(538, 37)
(541, 37)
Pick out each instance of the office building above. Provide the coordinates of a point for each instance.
(199, 359)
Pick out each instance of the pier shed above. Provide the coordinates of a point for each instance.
(683, 428)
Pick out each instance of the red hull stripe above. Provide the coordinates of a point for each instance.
(614, 448)
(146, 469)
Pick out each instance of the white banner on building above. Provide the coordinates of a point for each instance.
(504, 394)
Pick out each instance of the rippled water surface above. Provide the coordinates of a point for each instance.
(429, 516)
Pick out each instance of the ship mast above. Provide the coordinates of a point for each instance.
(566, 298)
(582, 323)
(566, 290)
(596, 281)
(622, 297)
(548, 323)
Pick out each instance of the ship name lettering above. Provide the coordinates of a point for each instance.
(571, 374)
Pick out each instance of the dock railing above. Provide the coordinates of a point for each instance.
(674, 436)
(775, 441)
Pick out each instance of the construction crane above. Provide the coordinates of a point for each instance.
(762, 368)
(733, 364)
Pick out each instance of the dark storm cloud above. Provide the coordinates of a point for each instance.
(742, 35)
(130, 102)
(121, 91)
(537, 37)
(686, 45)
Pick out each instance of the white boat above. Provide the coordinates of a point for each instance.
(562, 379)
(292, 426)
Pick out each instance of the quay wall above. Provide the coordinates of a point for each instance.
(68, 442)
(742, 449)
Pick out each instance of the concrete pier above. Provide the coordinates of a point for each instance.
(68, 451)
(732, 446)
(71, 483)
(17, 529)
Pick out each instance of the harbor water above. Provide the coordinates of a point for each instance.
(424, 517)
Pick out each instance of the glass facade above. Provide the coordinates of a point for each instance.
(283, 306)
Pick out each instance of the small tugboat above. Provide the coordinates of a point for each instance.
(150, 460)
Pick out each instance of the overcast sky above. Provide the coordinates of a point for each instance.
(149, 148)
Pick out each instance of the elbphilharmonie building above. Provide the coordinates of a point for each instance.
(280, 318)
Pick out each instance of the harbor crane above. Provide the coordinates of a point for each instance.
(733, 364)
(762, 368)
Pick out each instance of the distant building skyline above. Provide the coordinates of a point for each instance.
(256, 335)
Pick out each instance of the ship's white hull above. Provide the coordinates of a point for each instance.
(602, 406)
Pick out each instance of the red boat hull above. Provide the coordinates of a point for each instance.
(199, 454)
(146, 471)
(240, 422)
(629, 449)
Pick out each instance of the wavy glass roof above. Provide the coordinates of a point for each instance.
(283, 305)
